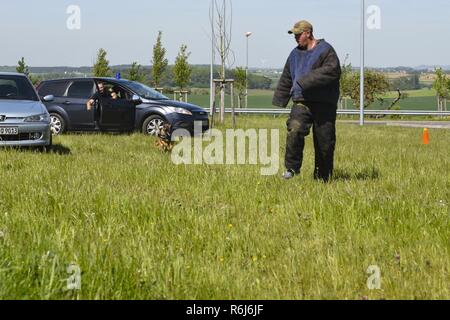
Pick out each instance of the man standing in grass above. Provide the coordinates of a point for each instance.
(311, 78)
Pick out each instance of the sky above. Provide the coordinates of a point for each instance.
(412, 32)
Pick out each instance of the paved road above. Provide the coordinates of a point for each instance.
(411, 124)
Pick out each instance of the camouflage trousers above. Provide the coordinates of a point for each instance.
(322, 119)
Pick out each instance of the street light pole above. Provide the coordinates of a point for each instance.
(211, 84)
(361, 85)
(247, 35)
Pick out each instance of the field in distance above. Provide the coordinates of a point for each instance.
(423, 99)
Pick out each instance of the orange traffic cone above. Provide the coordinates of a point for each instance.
(426, 136)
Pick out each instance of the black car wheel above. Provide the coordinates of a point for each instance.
(58, 125)
(153, 124)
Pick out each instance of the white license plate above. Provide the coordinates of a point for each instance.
(9, 131)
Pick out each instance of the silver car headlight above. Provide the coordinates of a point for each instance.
(179, 110)
(45, 117)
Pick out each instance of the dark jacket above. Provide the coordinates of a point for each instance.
(310, 76)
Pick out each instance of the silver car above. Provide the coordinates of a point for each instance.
(24, 120)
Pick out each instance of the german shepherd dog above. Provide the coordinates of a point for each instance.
(164, 141)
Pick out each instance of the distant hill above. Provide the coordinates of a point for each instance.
(259, 78)
(83, 69)
(87, 70)
(428, 67)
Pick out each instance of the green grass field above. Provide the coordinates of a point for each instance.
(140, 227)
(424, 99)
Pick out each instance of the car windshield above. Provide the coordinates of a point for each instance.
(144, 91)
(14, 87)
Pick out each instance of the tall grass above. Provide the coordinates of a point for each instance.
(140, 227)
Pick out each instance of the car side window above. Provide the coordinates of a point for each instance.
(125, 94)
(116, 92)
(80, 89)
(55, 88)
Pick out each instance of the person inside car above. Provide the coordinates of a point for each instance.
(114, 92)
(101, 93)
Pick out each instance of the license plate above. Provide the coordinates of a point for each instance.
(9, 131)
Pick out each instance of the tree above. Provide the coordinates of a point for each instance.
(375, 85)
(221, 28)
(401, 96)
(35, 80)
(410, 82)
(22, 67)
(441, 85)
(258, 82)
(181, 70)
(448, 85)
(240, 83)
(346, 83)
(159, 61)
(101, 66)
(135, 74)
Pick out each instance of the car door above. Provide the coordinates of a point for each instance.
(57, 89)
(119, 113)
(76, 97)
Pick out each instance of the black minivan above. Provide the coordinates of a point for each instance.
(134, 106)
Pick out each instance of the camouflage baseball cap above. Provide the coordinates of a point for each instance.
(300, 27)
